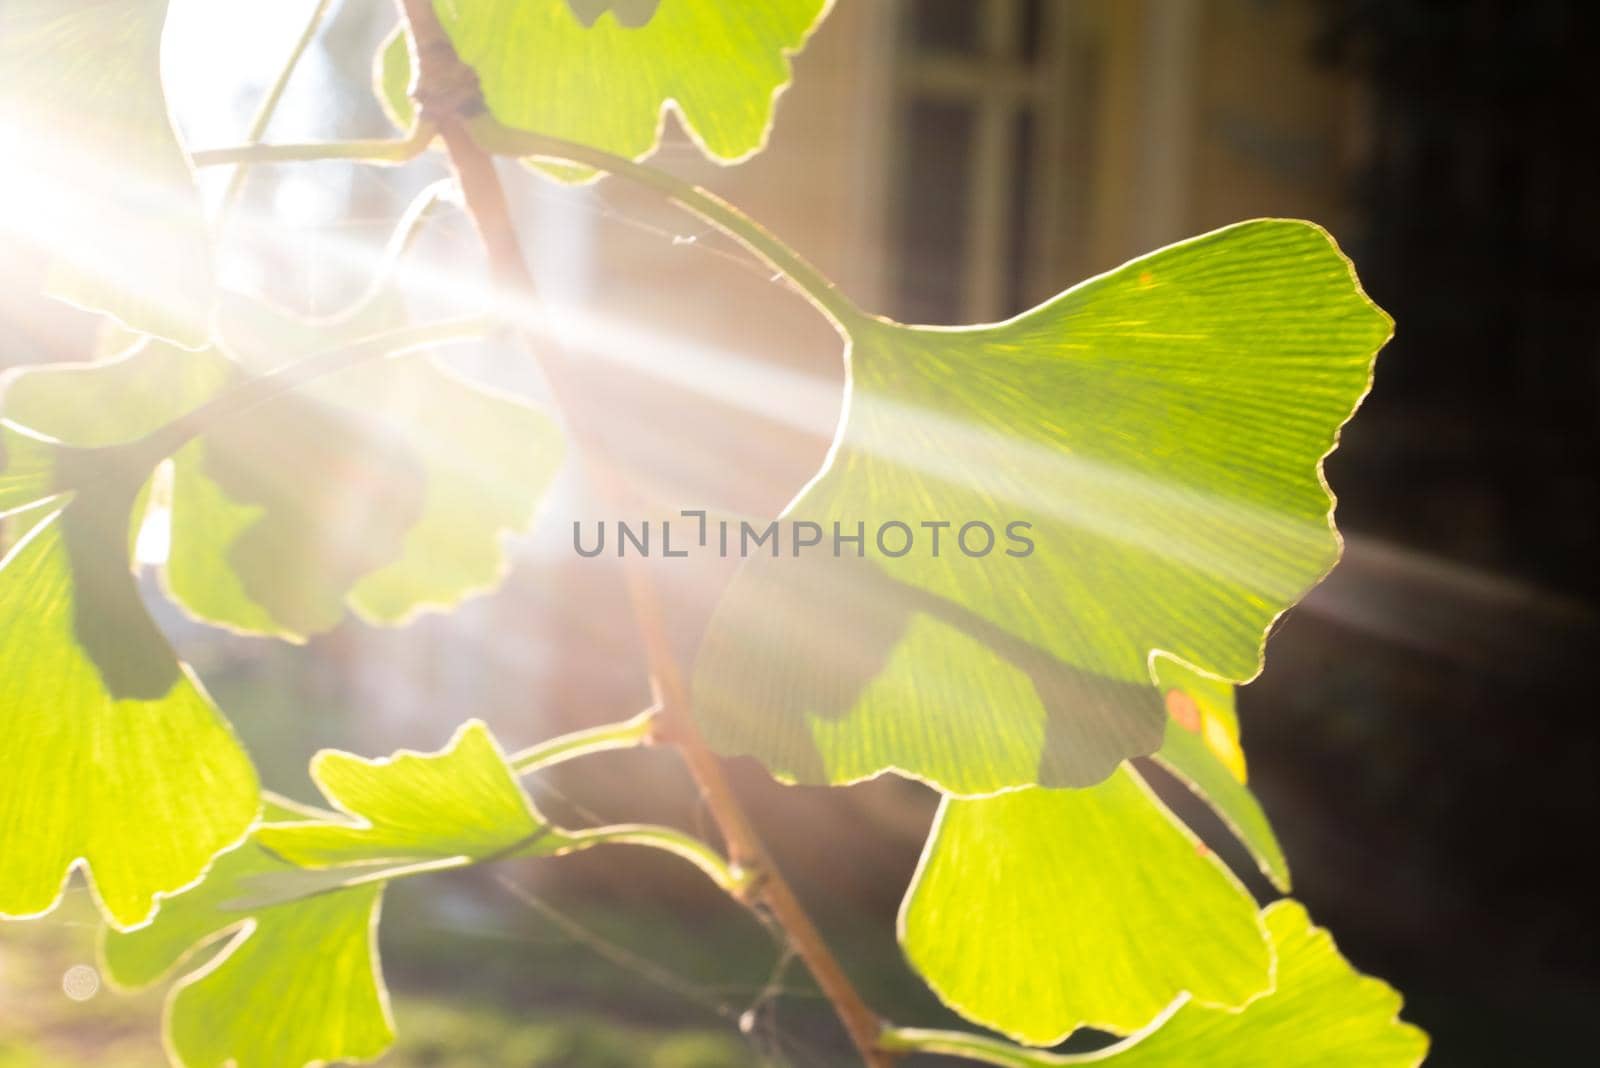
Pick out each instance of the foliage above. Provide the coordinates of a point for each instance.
(290, 927)
(1158, 433)
(1038, 912)
(1161, 427)
(1320, 1011)
(82, 88)
(621, 66)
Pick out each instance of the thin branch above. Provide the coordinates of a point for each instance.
(269, 103)
(498, 139)
(446, 91)
(168, 439)
(408, 229)
(980, 1048)
(629, 734)
(729, 879)
(383, 152)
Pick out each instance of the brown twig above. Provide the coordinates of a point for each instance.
(447, 95)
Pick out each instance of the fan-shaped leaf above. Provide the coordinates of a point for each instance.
(298, 981)
(605, 73)
(385, 487)
(1038, 912)
(1159, 429)
(1322, 1014)
(293, 985)
(84, 128)
(415, 807)
(116, 761)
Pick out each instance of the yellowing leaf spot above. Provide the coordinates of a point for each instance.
(1181, 707)
(1224, 746)
(1146, 279)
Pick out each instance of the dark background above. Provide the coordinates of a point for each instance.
(1445, 831)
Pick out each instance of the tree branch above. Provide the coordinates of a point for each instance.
(446, 92)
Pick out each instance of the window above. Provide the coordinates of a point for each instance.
(980, 213)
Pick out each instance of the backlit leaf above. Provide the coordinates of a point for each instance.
(1161, 430)
(298, 979)
(101, 177)
(460, 802)
(1202, 750)
(291, 985)
(1038, 912)
(1321, 1013)
(115, 759)
(605, 73)
(385, 488)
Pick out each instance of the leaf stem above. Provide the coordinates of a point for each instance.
(380, 152)
(981, 1048)
(628, 734)
(446, 91)
(269, 103)
(502, 140)
(168, 439)
(729, 878)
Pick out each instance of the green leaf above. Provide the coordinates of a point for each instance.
(1321, 1013)
(1202, 750)
(27, 468)
(84, 129)
(295, 984)
(1038, 912)
(605, 74)
(463, 801)
(1161, 428)
(116, 761)
(385, 488)
(298, 980)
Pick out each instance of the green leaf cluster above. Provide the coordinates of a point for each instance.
(291, 918)
(1158, 431)
(385, 488)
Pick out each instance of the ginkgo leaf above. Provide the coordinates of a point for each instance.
(463, 801)
(1129, 469)
(1321, 1013)
(116, 761)
(105, 183)
(605, 72)
(293, 985)
(385, 488)
(298, 980)
(1037, 912)
(1202, 749)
